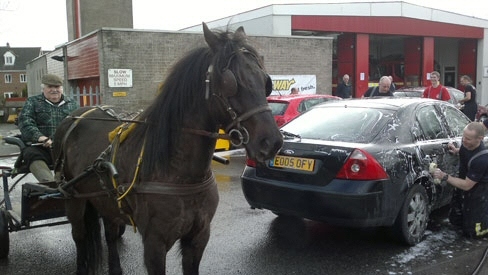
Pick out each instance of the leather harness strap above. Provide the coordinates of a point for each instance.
(176, 189)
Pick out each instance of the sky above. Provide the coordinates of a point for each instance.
(42, 23)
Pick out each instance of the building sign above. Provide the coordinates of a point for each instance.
(304, 84)
(119, 78)
(119, 94)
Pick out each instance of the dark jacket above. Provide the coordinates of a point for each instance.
(39, 117)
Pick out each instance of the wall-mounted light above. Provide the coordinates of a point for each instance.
(58, 57)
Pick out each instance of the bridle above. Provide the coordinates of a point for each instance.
(237, 134)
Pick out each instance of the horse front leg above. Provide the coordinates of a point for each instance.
(75, 213)
(154, 253)
(192, 247)
(111, 237)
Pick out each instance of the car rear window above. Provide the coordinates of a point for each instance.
(359, 125)
(278, 108)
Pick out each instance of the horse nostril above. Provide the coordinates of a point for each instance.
(269, 147)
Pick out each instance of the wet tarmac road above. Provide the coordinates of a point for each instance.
(246, 241)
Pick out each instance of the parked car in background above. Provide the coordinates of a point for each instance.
(361, 163)
(482, 113)
(287, 107)
(455, 94)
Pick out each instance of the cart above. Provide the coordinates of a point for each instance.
(38, 203)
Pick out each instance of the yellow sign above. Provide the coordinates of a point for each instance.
(118, 94)
(293, 163)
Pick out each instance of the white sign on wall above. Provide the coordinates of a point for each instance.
(305, 84)
(120, 77)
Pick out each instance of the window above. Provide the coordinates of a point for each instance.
(278, 108)
(429, 123)
(23, 78)
(358, 124)
(8, 78)
(9, 58)
(455, 122)
(309, 103)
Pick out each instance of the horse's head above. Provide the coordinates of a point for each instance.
(237, 86)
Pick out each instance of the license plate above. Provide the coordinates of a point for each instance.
(302, 164)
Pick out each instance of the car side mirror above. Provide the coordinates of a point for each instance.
(415, 133)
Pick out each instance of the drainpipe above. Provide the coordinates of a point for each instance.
(77, 19)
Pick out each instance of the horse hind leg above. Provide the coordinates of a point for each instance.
(111, 237)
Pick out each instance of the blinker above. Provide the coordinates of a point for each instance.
(229, 83)
(207, 82)
(269, 85)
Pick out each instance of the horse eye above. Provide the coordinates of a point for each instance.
(269, 85)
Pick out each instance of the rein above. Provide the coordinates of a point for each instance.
(108, 119)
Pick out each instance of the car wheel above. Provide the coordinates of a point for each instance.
(4, 238)
(279, 214)
(412, 220)
(286, 216)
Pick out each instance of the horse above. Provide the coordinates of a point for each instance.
(156, 172)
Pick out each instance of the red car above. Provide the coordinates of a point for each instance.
(287, 107)
(482, 113)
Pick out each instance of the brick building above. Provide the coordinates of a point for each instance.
(87, 63)
(13, 77)
(372, 39)
(13, 69)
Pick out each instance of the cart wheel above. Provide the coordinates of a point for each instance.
(4, 240)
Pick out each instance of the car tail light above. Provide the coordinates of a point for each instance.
(280, 121)
(250, 162)
(361, 166)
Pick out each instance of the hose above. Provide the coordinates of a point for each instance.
(480, 264)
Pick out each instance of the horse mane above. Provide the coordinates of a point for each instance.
(183, 91)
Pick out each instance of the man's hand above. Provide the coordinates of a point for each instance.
(453, 149)
(46, 141)
(432, 170)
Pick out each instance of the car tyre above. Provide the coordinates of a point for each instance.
(4, 238)
(413, 218)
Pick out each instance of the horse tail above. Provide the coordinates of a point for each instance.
(93, 239)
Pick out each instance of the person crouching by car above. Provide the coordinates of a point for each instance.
(472, 180)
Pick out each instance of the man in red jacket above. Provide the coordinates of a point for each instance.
(436, 90)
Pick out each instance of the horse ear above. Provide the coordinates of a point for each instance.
(240, 32)
(210, 37)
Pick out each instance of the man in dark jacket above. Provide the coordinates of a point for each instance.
(383, 88)
(344, 89)
(473, 180)
(38, 121)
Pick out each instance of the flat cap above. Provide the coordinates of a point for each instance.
(51, 79)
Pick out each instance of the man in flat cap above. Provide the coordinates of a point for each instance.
(38, 121)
